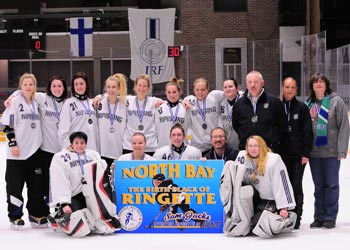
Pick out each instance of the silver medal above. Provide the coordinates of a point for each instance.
(111, 129)
(33, 125)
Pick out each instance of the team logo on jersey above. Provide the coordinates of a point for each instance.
(130, 218)
(160, 110)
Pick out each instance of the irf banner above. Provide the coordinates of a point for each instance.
(151, 32)
(169, 196)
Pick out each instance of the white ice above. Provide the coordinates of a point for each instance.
(316, 239)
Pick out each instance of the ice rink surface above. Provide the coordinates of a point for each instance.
(316, 239)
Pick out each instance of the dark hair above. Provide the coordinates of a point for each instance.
(177, 125)
(315, 78)
(83, 76)
(159, 177)
(217, 128)
(60, 78)
(232, 79)
(78, 134)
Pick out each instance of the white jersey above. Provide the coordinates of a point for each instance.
(25, 120)
(111, 123)
(147, 126)
(274, 184)
(167, 153)
(204, 117)
(78, 115)
(66, 174)
(129, 157)
(50, 111)
(166, 117)
(225, 122)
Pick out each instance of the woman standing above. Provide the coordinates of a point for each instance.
(140, 115)
(204, 113)
(231, 93)
(111, 115)
(23, 165)
(171, 112)
(330, 124)
(78, 114)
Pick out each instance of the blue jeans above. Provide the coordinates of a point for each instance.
(325, 174)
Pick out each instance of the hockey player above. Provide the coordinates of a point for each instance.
(78, 114)
(177, 150)
(81, 191)
(171, 112)
(264, 172)
(111, 113)
(204, 113)
(23, 165)
(140, 115)
(138, 144)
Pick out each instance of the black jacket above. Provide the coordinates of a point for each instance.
(297, 141)
(229, 155)
(270, 124)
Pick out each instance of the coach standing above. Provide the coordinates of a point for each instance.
(259, 113)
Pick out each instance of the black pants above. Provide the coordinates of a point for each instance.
(29, 172)
(46, 158)
(296, 173)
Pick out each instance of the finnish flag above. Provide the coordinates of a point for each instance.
(81, 36)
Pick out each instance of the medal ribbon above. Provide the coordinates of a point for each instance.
(173, 154)
(174, 117)
(112, 116)
(203, 111)
(32, 108)
(141, 113)
(87, 108)
(81, 163)
(58, 112)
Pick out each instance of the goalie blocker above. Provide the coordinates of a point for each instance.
(99, 216)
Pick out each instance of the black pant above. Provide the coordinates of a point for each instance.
(46, 158)
(296, 173)
(19, 172)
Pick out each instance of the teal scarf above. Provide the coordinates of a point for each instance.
(322, 120)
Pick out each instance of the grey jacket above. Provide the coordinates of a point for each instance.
(338, 131)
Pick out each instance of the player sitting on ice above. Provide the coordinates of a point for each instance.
(264, 176)
(82, 191)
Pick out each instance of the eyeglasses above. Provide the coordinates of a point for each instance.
(218, 136)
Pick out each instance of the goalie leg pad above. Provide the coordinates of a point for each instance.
(271, 224)
(98, 199)
(77, 224)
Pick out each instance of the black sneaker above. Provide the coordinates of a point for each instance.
(17, 224)
(316, 224)
(38, 222)
(329, 224)
(297, 224)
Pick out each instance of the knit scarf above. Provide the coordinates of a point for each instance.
(322, 120)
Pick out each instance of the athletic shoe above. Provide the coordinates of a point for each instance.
(316, 224)
(297, 224)
(38, 222)
(17, 224)
(329, 224)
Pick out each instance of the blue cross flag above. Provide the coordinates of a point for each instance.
(81, 36)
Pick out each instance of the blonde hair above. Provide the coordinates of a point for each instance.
(121, 82)
(31, 76)
(144, 77)
(175, 82)
(201, 79)
(262, 158)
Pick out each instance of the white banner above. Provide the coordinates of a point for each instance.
(81, 36)
(151, 32)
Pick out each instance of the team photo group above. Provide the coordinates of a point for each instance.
(63, 147)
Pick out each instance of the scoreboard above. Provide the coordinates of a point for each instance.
(20, 43)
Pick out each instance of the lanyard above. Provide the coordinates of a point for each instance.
(32, 108)
(58, 112)
(81, 163)
(87, 108)
(111, 116)
(141, 113)
(173, 154)
(201, 111)
(174, 117)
